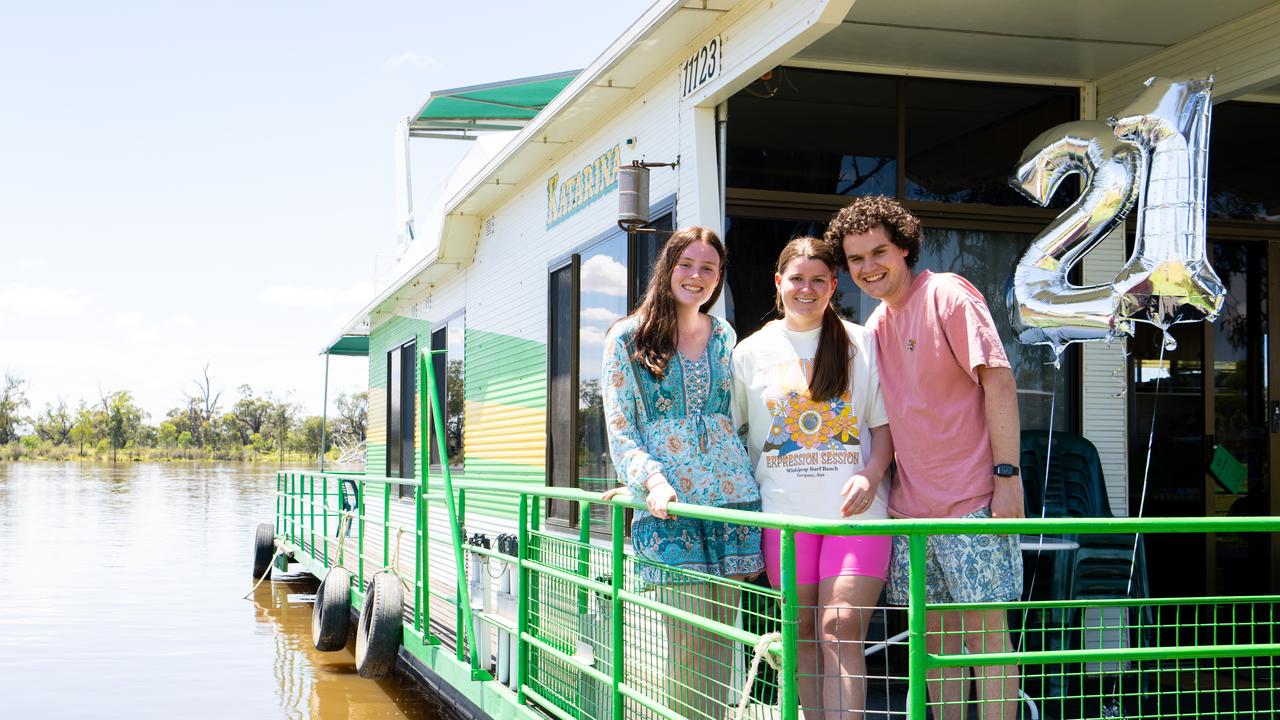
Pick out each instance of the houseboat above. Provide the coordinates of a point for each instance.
(475, 548)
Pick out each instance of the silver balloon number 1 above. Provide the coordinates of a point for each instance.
(1153, 155)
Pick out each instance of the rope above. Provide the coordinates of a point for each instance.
(394, 567)
(265, 574)
(343, 521)
(761, 651)
(1146, 467)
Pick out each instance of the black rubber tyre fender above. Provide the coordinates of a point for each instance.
(331, 614)
(264, 549)
(381, 626)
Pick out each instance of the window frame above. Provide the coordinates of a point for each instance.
(557, 512)
(401, 413)
(441, 370)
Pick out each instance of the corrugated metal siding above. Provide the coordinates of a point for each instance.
(1243, 55)
(394, 332)
(1103, 375)
(506, 412)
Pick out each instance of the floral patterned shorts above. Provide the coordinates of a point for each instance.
(960, 568)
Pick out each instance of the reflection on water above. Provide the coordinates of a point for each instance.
(121, 596)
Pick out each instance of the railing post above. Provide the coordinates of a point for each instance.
(311, 512)
(422, 551)
(618, 528)
(419, 546)
(522, 597)
(584, 556)
(790, 631)
(917, 651)
(455, 526)
(324, 514)
(360, 541)
(386, 523)
(279, 518)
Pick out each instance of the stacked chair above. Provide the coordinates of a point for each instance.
(1101, 567)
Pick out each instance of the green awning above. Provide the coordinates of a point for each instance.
(505, 105)
(351, 345)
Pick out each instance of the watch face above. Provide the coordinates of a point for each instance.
(1006, 470)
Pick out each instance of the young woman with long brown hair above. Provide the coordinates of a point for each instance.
(666, 403)
(807, 395)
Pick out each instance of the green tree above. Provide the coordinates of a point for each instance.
(306, 437)
(85, 430)
(55, 424)
(12, 401)
(251, 413)
(202, 407)
(352, 424)
(281, 419)
(122, 419)
(167, 434)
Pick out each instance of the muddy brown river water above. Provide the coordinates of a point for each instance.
(121, 596)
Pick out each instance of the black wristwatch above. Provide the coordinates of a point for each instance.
(1006, 470)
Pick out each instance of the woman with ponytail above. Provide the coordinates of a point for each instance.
(807, 402)
(666, 404)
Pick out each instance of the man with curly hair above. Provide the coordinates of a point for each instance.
(953, 407)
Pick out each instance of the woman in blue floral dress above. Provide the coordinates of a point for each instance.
(666, 404)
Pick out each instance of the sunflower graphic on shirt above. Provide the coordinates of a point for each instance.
(801, 423)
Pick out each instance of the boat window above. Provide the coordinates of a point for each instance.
(587, 293)
(448, 370)
(401, 392)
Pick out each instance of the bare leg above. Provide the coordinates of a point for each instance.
(986, 632)
(808, 659)
(698, 660)
(948, 686)
(847, 603)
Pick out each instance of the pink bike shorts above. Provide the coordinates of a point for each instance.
(819, 557)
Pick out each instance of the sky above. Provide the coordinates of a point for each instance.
(184, 185)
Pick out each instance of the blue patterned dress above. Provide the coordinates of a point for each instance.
(679, 425)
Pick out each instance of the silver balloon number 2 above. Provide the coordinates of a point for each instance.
(1153, 155)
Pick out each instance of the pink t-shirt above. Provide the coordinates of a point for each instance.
(930, 349)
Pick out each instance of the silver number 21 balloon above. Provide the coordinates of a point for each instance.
(1153, 155)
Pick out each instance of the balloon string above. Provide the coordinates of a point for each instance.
(1044, 494)
(1146, 469)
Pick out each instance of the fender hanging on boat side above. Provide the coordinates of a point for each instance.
(264, 549)
(331, 614)
(381, 626)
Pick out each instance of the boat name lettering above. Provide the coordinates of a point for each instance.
(564, 198)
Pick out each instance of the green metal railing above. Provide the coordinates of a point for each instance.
(1176, 657)
(593, 640)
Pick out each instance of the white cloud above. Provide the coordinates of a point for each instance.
(591, 336)
(358, 294)
(183, 320)
(130, 319)
(29, 301)
(411, 59)
(605, 275)
(600, 314)
(306, 296)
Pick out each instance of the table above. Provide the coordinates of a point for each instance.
(1046, 543)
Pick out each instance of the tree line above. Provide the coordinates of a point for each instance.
(253, 426)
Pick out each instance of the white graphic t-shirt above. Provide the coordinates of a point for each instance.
(803, 451)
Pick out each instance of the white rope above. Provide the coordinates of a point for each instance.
(761, 651)
(265, 575)
(394, 567)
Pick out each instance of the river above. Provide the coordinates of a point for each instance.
(122, 596)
